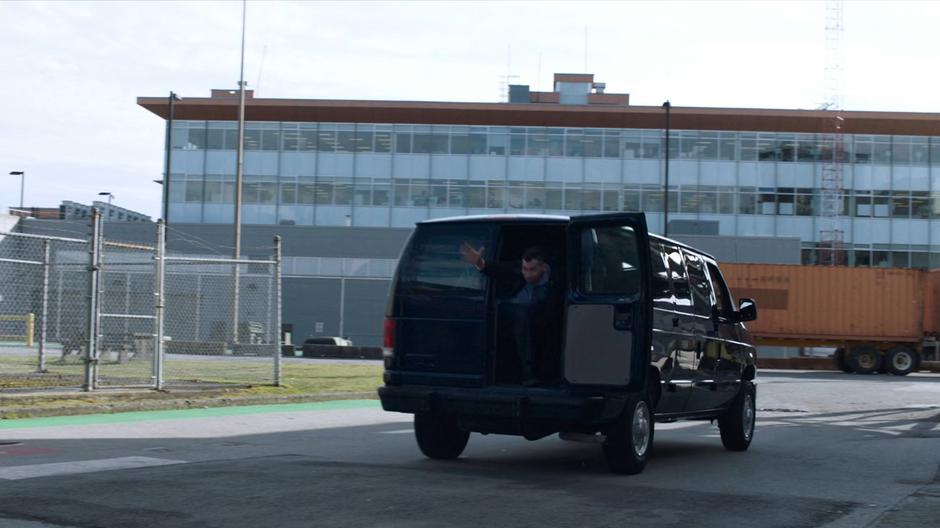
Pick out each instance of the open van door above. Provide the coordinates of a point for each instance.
(608, 313)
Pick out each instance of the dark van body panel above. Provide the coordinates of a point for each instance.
(694, 360)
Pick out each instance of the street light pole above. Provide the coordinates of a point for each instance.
(169, 149)
(667, 106)
(110, 197)
(22, 175)
(239, 168)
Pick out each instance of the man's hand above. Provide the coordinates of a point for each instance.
(473, 256)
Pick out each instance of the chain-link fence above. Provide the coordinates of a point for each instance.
(105, 313)
(43, 310)
(207, 339)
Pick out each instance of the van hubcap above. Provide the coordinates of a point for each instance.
(747, 417)
(641, 428)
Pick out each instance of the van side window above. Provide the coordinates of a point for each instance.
(680, 280)
(698, 282)
(662, 286)
(609, 261)
(722, 295)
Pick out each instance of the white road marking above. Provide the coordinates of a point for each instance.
(398, 431)
(82, 466)
(920, 387)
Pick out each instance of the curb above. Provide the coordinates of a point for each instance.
(163, 402)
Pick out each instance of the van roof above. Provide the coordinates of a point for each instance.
(559, 219)
(542, 218)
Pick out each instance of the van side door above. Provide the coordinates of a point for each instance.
(682, 341)
(706, 331)
(736, 354)
(608, 312)
(675, 379)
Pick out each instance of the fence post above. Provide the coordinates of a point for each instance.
(91, 351)
(277, 310)
(158, 294)
(342, 303)
(30, 336)
(237, 299)
(44, 313)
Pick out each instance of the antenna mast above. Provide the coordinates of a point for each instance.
(508, 78)
(831, 248)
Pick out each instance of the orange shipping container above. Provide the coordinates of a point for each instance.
(932, 303)
(819, 303)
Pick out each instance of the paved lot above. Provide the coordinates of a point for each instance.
(830, 450)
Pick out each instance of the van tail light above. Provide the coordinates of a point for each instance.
(388, 342)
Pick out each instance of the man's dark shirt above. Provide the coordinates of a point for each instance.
(524, 292)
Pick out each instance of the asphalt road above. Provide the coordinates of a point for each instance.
(830, 450)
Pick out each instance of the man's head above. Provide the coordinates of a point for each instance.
(533, 265)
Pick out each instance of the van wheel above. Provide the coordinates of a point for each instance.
(630, 439)
(439, 437)
(901, 361)
(737, 424)
(864, 359)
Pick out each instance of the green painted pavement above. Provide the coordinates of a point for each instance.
(145, 416)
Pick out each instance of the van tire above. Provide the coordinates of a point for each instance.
(630, 439)
(439, 437)
(737, 424)
(865, 359)
(901, 361)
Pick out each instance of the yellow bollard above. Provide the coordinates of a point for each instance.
(30, 328)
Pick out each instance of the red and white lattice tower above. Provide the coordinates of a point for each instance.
(830, 248)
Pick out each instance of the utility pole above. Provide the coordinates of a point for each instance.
(239, 168)
(666, 106)
(169, 149)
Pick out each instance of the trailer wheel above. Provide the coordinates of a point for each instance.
(841, 361)
(864, 359)
(901, 361)
(439, 436)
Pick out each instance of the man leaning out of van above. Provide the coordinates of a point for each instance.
(531, 290)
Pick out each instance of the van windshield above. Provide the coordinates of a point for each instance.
(433, 263)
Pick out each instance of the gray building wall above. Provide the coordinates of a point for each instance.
(766, 250)
(308, 300)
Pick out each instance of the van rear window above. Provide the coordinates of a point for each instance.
(433, 262)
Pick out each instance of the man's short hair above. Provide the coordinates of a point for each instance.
(534, 253)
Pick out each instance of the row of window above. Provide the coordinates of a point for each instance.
(584, 197)
(878, 258)
(559, 142)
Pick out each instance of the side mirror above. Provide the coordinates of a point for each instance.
(747, 310)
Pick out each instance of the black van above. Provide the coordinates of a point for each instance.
(635, 329)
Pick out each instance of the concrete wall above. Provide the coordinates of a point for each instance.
(765, 250)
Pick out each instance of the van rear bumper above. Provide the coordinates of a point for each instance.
(522, 404)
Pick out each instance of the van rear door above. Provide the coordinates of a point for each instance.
(438, 307)
(608, 313)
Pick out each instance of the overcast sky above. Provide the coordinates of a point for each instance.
(71, 71)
